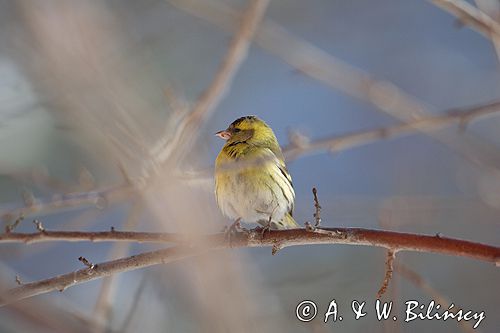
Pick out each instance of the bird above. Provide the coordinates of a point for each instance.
(252, 182)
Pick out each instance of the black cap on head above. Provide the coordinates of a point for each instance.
(239, 120)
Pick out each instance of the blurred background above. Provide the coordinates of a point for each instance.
(93, 94)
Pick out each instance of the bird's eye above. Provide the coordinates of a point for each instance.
(236, 130)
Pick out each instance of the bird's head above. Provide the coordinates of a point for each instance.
(249, 129)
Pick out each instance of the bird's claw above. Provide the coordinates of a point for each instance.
(263, 229)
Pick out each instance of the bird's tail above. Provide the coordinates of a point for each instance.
(288, 222)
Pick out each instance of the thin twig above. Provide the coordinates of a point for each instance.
(348, 141)
(39, 226)
(86, 262)
(18, 280)
(10, 227)
(394, 241)
(389, 268)
(317, 207)
(98, 199)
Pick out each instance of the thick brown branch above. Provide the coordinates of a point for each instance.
(354, 236)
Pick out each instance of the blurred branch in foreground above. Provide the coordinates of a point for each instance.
(492, 9)
(471, 16)
(394, 241)
(98, 199)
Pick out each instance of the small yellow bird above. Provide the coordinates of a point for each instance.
(251, 179)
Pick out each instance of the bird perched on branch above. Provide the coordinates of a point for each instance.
(251, 180)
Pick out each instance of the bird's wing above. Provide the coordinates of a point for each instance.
(284, 171)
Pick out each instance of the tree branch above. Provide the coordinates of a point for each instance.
(471, 16)
(492, 9)
(97, 198)
(343, 142)
(395, 241)
(92, 236)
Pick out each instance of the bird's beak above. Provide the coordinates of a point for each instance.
(225, 134)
